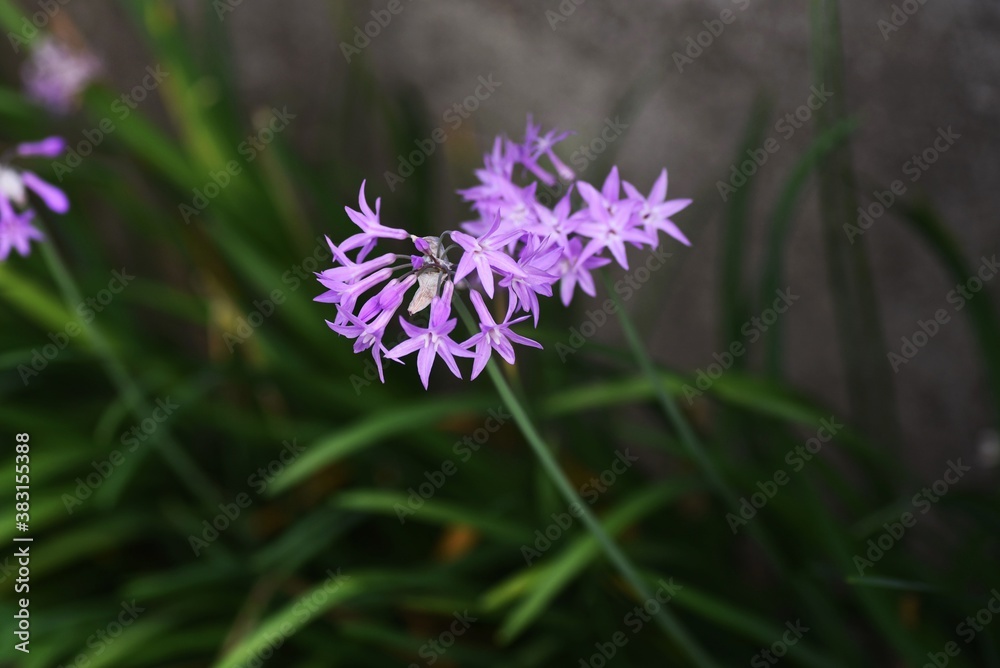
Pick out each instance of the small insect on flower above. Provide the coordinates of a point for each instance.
(432, 271)
(514, 243)
(16, 215)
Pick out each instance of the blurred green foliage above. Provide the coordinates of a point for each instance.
(304, 466)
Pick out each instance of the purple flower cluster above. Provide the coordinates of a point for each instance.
(16, 215)
(514, 248)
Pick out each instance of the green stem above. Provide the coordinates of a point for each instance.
(817, 603)
(855, 303)
(175, 456)
(665, 618)
(689, 439)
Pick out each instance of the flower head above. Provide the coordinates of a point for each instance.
(655, 211)
(514, 240)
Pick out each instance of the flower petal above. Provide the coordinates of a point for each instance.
(53, 197)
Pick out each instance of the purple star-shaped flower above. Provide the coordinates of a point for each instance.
(607, 197)
(556, 224)
(486, 254)
(534, 279)
(371, 229)
(611, 230)
(536, 145)
(346, 294)
(655, 211)
(575, 268)
(16, 230)
(389, 298)
(365, 335)
(494, 336)
(350, 271)
(432, 341)
(543, 146)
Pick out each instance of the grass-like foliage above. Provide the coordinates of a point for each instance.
(216, 479)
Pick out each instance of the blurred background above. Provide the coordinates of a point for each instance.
(216, 141)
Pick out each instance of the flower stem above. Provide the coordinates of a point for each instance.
(664, 618)
(175, 456)
(693, 446)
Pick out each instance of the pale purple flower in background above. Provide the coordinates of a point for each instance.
(534, 146)
(55, 74)
(543, 144)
